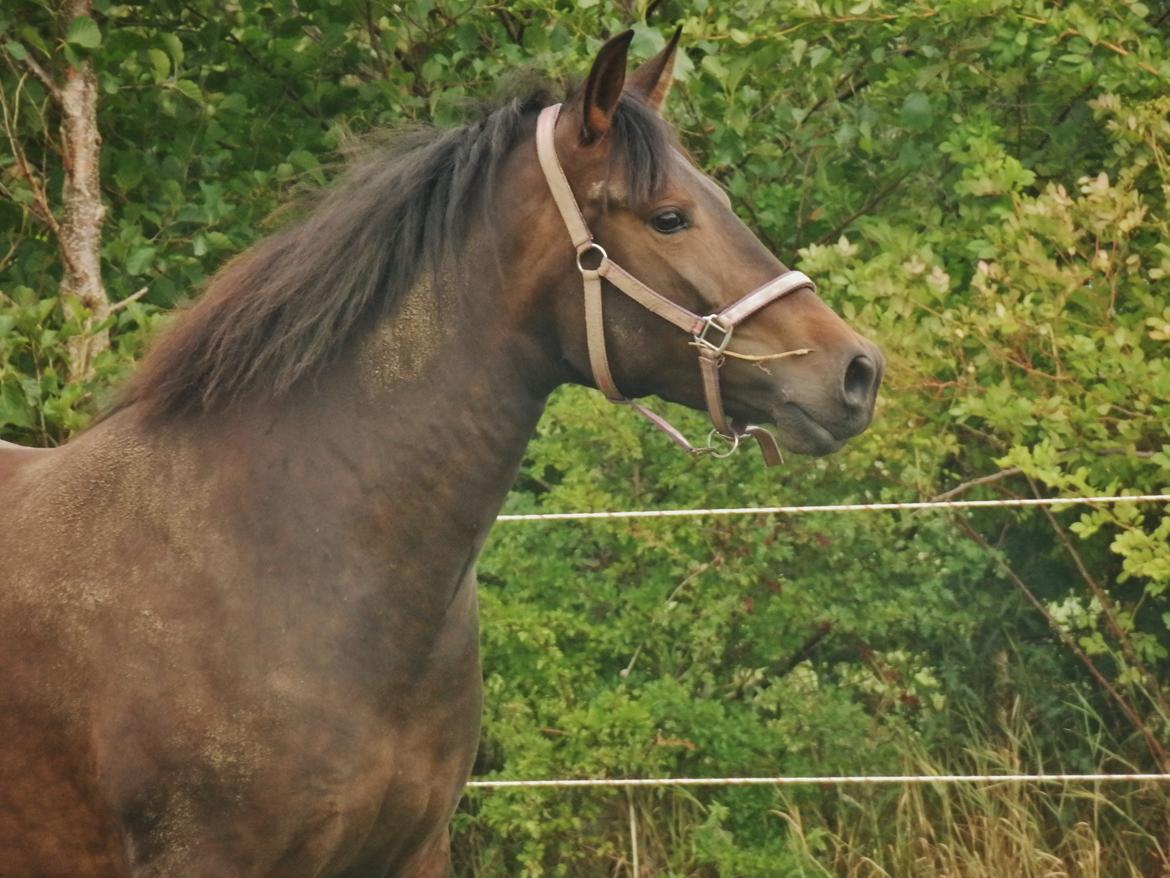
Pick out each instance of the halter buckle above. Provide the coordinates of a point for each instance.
(712, 321)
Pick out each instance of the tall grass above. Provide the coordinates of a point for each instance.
(930, 830)
(992, 830)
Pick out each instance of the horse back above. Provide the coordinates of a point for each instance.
(12, 457)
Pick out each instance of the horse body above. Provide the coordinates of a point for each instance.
(263, 665)
(239, 635)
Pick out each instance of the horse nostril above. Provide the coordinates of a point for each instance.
(860, 384)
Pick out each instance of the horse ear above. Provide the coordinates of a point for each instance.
(604, 87)
(651, 81)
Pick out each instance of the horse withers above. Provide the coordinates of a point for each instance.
(238, 630)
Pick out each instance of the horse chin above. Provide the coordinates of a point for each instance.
(800, 433)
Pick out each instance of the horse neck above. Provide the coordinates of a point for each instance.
(422, 424)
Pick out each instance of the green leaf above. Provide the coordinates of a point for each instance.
(139, 260)
(819, 55)
(233, 103)
(161, 63)
(916, 112)
(714, 66)
(174, 47)
(306, 161)
(14, 408)
(189, 89)
(647, 41)
(220, 241)
(16, 50)
(432, 69)
(32, 39)
(84, 32)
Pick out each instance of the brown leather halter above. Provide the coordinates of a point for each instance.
(712, 334)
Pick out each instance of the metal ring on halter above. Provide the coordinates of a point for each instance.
(591, 246)
(709, 322)
(732, 440)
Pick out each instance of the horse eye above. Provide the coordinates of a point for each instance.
(669, 221)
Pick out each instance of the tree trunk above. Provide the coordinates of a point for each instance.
(82, 210)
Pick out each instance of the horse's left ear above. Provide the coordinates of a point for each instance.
(651, 81)
(603, 88)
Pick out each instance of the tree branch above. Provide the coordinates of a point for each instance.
(509, 23)
(38, 71)
(872, 202)
(849, 85)
(1015, 471)
(1107, 610)
(376, 39)
(133, 297)
(982, 480)
(819, 633)
(39, 207)
(1161, 758)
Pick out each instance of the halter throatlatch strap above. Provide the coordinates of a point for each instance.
(711, 334)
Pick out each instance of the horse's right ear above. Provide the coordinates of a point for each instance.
(651, 81)
(603, 88)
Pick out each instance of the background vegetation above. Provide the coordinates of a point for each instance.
(981, 185)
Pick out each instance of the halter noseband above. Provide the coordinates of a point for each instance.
(711, 334)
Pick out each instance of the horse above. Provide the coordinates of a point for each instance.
(238, 631)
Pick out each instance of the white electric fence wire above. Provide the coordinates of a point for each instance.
(854, 780)
(844, 507)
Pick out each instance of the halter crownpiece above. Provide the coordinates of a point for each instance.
(711, 334)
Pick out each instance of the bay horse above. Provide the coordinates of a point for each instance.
(238, 630)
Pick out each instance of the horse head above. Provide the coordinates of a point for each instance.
(678, 278)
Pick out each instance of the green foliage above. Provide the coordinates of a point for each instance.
(981, 185)
(38, 403)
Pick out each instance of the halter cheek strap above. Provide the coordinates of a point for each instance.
(711, 334)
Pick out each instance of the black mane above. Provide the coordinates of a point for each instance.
(280, 311)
